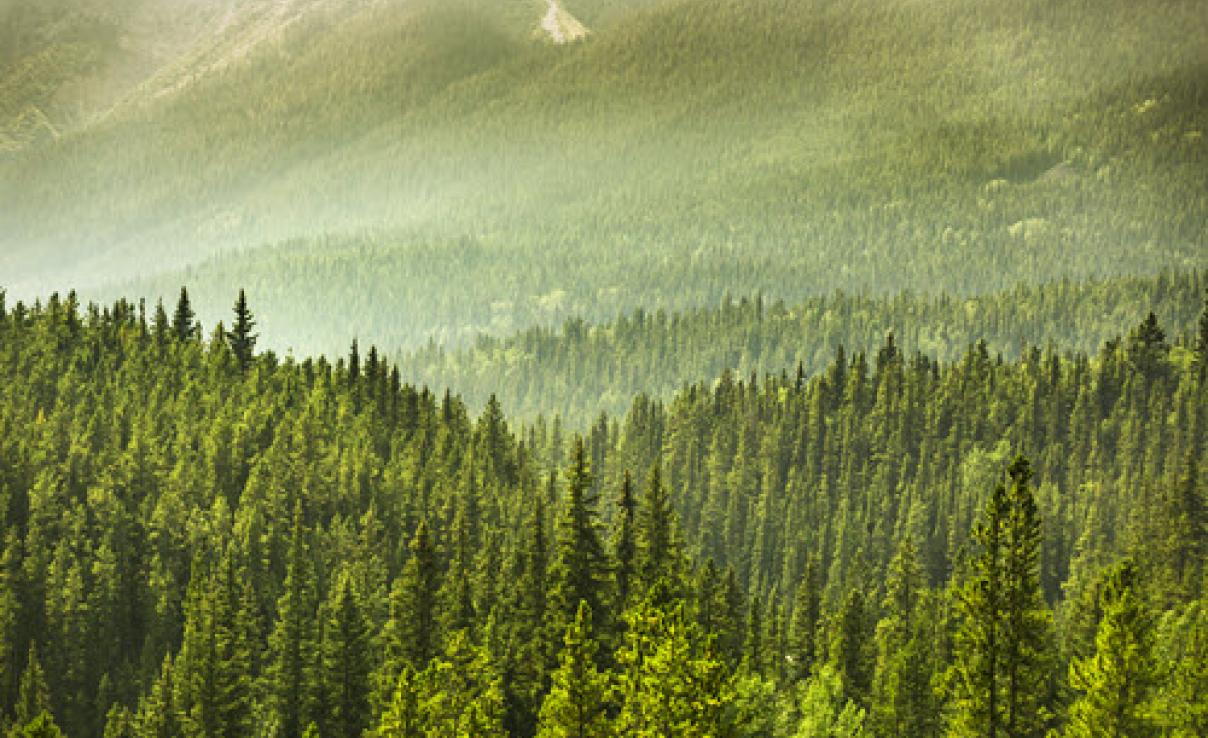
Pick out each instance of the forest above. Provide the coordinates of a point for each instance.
(582, 369)
(206, 539)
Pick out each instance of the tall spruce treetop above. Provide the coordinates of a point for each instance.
(241, 337)
(1000, 678)
(580, 568)
(184, 326)
(659, 558)
(624, 544)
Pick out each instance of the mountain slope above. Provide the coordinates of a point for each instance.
(683, 150)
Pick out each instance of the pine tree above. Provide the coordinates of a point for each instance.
(1117, 684)
(212, 675)
(241, 337)
(184, 326)
(670, 683)
(42, 726)
(825, 713)
(347, 663)
(410, 636)
(850, 653)
(157, 715)
(659, 559)
(577, 704)
(1000, 677)
(902, 702)
(402, 718)
(624, 543)
(34, 695)
(292, 644)
(803, 628)
(580, 566)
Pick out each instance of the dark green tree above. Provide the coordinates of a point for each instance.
(580, 567)
(292, 645)
(184, 325)
(1000, 680)
(347, 662)
(241, 337)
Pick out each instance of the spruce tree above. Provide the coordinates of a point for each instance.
(577, 703)
(803, 627)
(347, 663)
(184, 326)
(580, 566)
(903, 703)
(850, 648)
(659, 559)
(293, 643)
(1000, 679)
(670, 682)
(411, 633)
(402, 718)
(624, 543)
(34, 696)
(1117, 684)
(241, 337)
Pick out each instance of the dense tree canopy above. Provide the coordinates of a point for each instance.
(203, 546)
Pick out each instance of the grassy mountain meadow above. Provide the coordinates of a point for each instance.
(447, 166)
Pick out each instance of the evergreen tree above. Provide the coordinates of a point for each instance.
(1117, 683)
(184, 326)
(670, 683)
(903, 702)
(42, 726)
(157, 714)
(292, 644)
(34, 696)
(577, 704)
(824, 711)
(580, 566)
(658, 559)
(402, 718)
(241, 337)
(347, 663)
(803, 628)
(410, 636)
(624, 542)
(850, 652)
(1000, 680)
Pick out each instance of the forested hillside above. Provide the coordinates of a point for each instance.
(581, 369)
(442, 163)
(203, 540)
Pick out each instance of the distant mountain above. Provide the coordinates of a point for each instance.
(448, 165)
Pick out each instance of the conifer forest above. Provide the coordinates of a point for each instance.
(603, 368)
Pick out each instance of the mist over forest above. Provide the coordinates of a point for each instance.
(664, 368)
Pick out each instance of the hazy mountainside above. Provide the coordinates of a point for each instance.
(66, 63)
(582, 370)
(472, 177)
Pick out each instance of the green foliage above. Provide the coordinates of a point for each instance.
(581, 369)
(1002, 667)
(824, 711)
(670, 683)
(347, 663)
(239, 552)
(578, 701)
(1116, 685)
